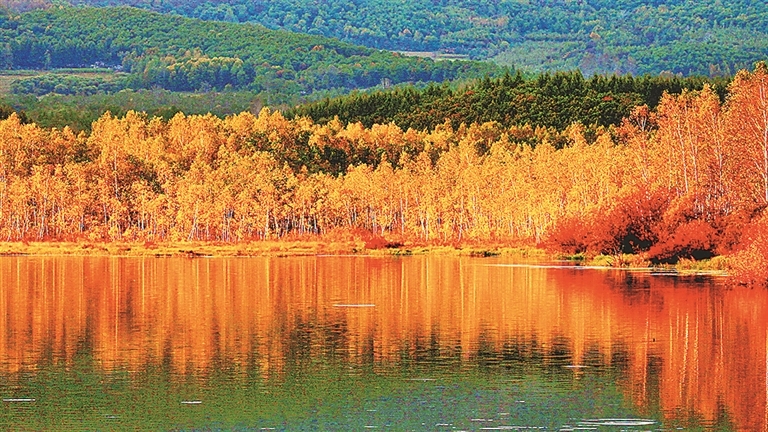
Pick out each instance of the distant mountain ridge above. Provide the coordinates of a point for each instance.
(596, 36)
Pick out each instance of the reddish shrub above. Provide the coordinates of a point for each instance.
(730, 230)
(371, 240)
(692, 229)
(750, 264)
(695, 239)
(631, 226)
(374, 241)
(570, 235)
(637, 219)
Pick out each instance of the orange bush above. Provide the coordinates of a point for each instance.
(730, 230)
(369, 239)
(570, 235)
(631, 226)
(696, 239)
(750, 264)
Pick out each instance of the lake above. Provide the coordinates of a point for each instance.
(358, 343)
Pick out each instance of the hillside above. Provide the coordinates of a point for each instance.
(596, 36)
(182, 54)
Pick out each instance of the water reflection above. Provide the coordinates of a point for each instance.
(682, 351)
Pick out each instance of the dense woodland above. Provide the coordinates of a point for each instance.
(663, 167)
(595, 36)
(182, 54)
(146, 53)
(686, 180)
(548, 100)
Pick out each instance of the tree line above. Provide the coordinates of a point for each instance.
(686, 180)
(691, 161)
(545, 100)
(80, 111)
(66, 84)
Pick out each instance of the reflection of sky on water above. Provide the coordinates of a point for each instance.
(340, 343)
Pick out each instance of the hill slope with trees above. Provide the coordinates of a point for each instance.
(183, 54)
(596, 36)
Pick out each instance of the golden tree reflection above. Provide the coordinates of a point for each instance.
(688, 349)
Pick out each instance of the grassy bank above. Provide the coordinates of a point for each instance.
(719, 265)
(187, 249)
(255, 248)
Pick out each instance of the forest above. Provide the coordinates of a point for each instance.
(165, 64)
(595, 36)
(548, 100)
(183, 54)
(686, 180)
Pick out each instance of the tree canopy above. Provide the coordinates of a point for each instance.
(547, 100)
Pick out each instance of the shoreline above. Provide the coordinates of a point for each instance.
(293, 248)
(252, 249)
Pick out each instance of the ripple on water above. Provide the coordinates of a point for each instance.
(617, 422)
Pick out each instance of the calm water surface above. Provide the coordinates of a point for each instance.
(357, 343)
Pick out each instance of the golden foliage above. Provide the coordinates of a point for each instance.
(681, 182)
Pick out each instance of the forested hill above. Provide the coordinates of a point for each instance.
(552, 101)
(186, 54)
(596, 36)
